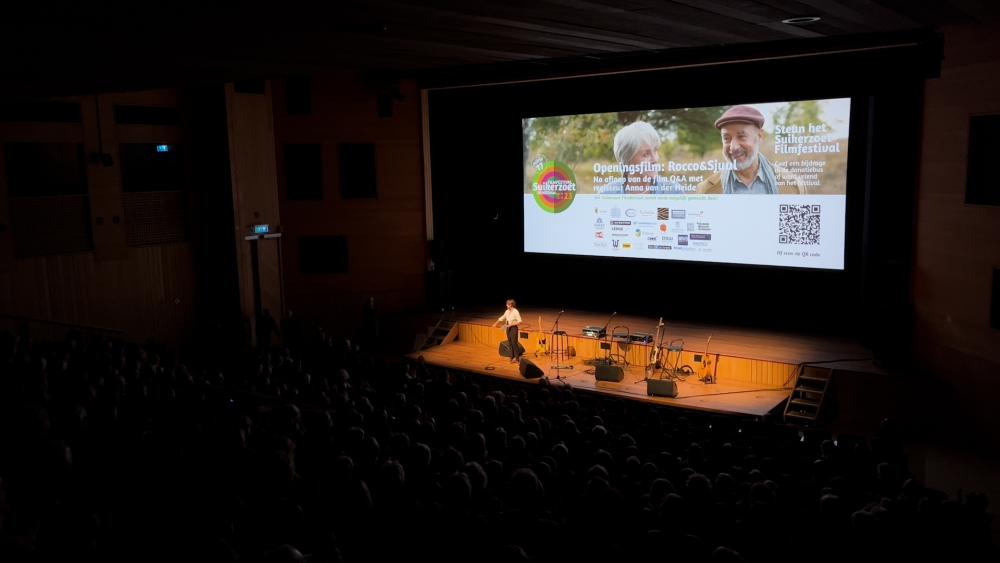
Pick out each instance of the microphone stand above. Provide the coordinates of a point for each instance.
(555, 326)
(609, 322)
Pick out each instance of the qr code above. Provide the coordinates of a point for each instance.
(798, 224)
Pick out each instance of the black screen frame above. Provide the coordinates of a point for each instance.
(879, 196)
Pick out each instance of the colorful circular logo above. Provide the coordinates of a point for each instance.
(554, 186)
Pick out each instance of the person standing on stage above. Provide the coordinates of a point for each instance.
(511, 318)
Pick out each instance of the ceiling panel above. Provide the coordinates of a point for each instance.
(82, 47)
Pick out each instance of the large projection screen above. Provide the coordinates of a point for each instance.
(691, 184)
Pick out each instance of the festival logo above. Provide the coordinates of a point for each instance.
(554, 186)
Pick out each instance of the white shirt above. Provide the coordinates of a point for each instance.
(510, 316)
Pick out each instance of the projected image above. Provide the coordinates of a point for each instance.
(663, 184)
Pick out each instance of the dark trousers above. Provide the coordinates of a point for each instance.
(512, 341)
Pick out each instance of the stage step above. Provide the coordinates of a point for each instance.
(810, 378)
(805, 404)
(441, 333)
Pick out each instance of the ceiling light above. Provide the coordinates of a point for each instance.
(801, 20)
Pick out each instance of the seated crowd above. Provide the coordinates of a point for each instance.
(111, 451)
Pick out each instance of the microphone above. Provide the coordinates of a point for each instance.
(609, 320)
(561, 312)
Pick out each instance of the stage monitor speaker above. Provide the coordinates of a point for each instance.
(608, 373)
(529, 370)
(504, 349)
(661, 388)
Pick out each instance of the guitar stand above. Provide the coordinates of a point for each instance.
(654, 362)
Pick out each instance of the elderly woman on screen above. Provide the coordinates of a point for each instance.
(635, 144)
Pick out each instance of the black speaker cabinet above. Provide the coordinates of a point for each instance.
(529, 370)
(661, 388)
(609, 373)
(504, 349)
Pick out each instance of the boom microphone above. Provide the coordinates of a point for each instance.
(609, 320)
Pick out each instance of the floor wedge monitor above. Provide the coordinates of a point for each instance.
(609, 373)
(504, 349)
(529, 370)
(661, 388)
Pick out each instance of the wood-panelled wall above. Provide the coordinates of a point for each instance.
(151, 293)
(386, 236)
(146, 291)
(958, 245)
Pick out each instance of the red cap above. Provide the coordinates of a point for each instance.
(741, 114)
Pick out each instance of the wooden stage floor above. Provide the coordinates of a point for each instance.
(755, 368)
(787, 347)
(726, 396)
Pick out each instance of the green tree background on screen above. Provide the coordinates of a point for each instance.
(800, 113)
(575, 138)
(579, 138)
(692, 129)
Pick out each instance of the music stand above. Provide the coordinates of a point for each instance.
(623, 338)
(606, 346)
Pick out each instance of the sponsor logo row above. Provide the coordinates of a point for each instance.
(682, 245)
(676, 226)
(661, 213)
(654, 236)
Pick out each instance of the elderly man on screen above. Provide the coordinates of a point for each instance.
(635, 144)
(741, 128)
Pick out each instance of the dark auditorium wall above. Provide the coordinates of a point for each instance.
(386, 238)
(958, 245)
(134, 268)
